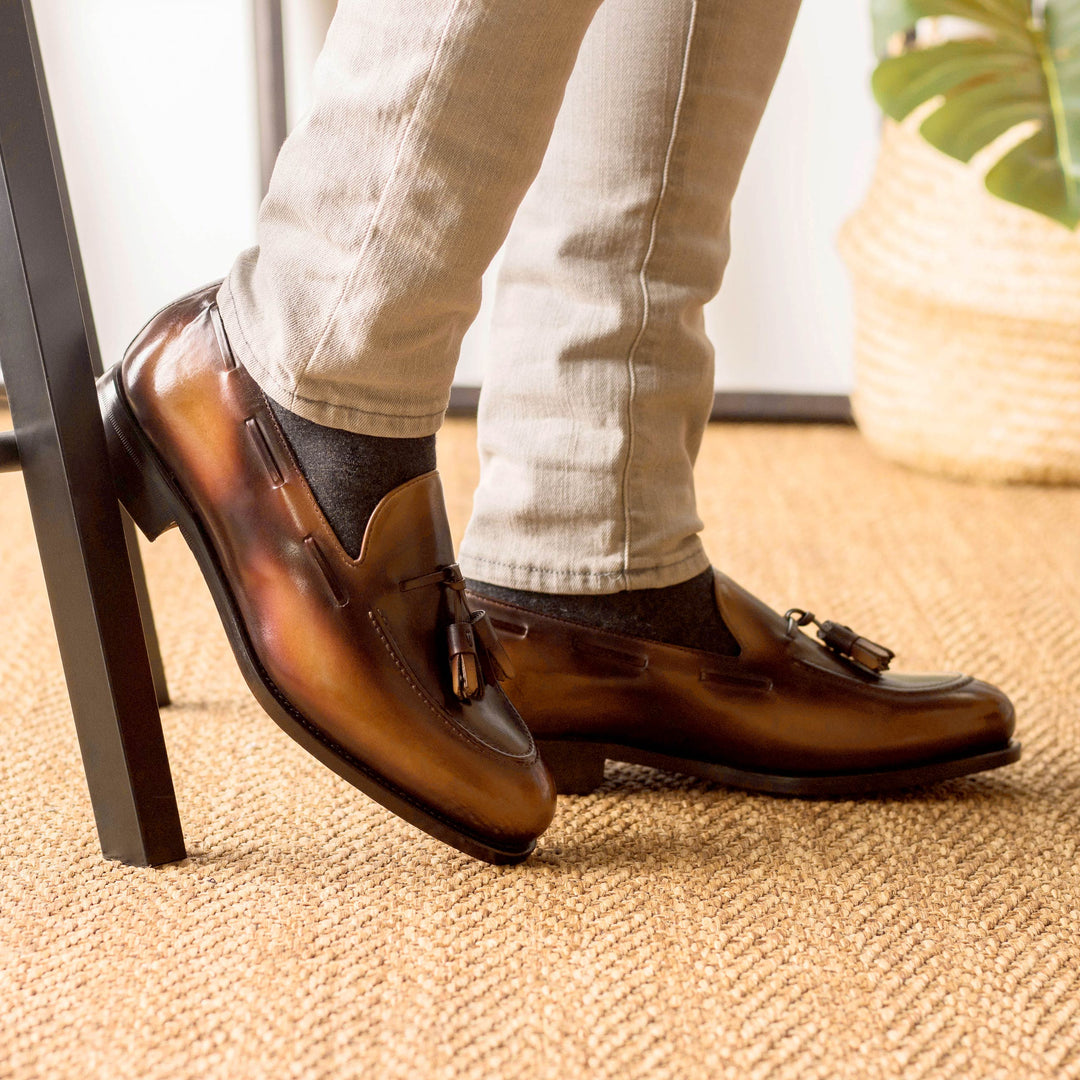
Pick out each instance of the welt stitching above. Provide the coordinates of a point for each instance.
(353, 760)
(469, 740)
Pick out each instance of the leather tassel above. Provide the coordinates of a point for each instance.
(498, 658)
(469, 637)
(863, 651)
(465, 672)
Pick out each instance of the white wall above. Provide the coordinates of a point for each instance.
(305, 27)
(155, 105)
(156, 114)
(783, 319)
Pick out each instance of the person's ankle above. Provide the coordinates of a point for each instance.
(348, 473)
(683, 614)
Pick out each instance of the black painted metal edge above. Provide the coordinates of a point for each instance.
(49, 355)
(781, 408)
(9, 453)
(728, 406)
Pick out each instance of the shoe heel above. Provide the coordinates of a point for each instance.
(140, 484)
(576, 767)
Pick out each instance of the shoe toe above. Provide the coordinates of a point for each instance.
(528, 811)
(993, 716)
(961, 717)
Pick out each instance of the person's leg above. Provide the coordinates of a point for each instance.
(387, 203)
(601, 375)
(583, 547)
(267, 416)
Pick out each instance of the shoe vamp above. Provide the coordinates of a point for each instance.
(370, 691)
(800, 719)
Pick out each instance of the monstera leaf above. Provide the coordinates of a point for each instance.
(1023, 66)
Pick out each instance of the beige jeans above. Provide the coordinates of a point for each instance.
(607, 141)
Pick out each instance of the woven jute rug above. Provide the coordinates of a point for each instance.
(666, 928)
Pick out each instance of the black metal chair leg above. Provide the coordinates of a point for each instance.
(9, 452)
(146, 613)
(48, 354)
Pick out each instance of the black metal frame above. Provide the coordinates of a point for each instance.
(270, 74)
(729, 407)
(49, 355)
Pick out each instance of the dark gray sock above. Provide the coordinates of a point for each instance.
(683, 614)
(348, 473)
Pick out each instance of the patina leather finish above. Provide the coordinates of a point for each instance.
(354, 651)
(785, 707)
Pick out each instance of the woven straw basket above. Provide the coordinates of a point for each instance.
(967, 350)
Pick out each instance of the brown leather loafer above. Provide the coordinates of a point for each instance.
(375, 665)
(789, 715)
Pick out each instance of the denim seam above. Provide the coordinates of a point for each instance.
(354, 410)
(646, 299)
(265, 378)
(479, 559)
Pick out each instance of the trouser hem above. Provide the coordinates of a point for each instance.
(352, 418)
(583, 582)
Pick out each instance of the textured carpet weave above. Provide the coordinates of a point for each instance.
(666, 928)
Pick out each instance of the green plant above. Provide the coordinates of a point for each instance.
(1023, 67)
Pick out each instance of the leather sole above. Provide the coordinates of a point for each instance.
(578, 769)
(156, 502)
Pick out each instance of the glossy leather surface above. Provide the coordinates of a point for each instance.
(361, 658)
(785, 704)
